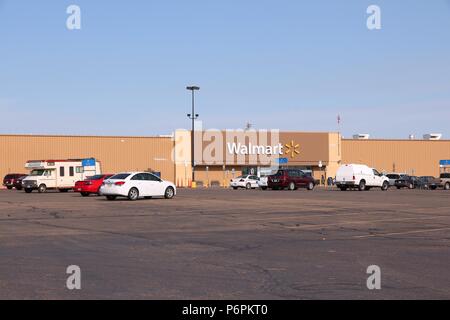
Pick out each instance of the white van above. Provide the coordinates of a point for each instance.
(58, 174)
(360, 176)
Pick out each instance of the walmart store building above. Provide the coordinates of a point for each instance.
(221, 155)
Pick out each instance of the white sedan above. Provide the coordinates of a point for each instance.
(135, 185)
(247, 182)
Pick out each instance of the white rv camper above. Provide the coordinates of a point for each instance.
(58, 174)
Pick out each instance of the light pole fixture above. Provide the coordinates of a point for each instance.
(193, 116)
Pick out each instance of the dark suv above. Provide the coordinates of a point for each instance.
(290, 179)
(428, 182)
(10, 180)
(409, 182)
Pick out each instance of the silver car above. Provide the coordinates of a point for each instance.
(394, 176)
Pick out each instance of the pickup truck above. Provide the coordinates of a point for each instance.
(444, 181)
(361, 177)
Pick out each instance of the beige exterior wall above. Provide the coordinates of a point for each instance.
(418, 157)
(216, 175)
(115, 153)
(334, 155)
(182, 157)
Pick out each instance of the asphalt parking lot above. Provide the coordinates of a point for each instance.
(226, 244)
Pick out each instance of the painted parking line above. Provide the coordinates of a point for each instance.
(364, 222)
(400, 233)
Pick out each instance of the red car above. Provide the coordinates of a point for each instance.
(10, 180)
(91, 185)
(291, 179)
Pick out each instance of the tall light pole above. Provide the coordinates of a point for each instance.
(193, 116)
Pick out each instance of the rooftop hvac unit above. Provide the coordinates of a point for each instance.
(432, 136)
(361, 136)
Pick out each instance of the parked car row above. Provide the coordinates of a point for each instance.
(135, 185)
(131, 185)
(424, 182)
(290, 179)
(84, 176)
(349, 176)
(363, 178)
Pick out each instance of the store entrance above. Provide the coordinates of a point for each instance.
(250, 171)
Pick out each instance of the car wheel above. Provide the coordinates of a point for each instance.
(169, 193)
(447, 186)
(264, 188)
(9, 188)
(343, 188)
(42, 188)
(63, 190)
(310, 186)
(398, 188)
(291, 186)
(133, 194)
(362, 185)
(85, 194)
(19, 188)
(111, 198)
(385, 186)
(433, 188)
(28, 190)
(248, 186)
(235, 188)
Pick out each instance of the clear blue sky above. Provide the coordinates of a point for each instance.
(292, 65)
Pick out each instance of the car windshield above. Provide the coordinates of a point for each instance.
(120, 176)
(445, 176)
(97, 177)
(36, 173)
(279, 173)
(9, 176)
(393, 176)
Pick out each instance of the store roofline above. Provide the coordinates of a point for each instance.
(394, 140)
(82, 136)
(171, 136)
